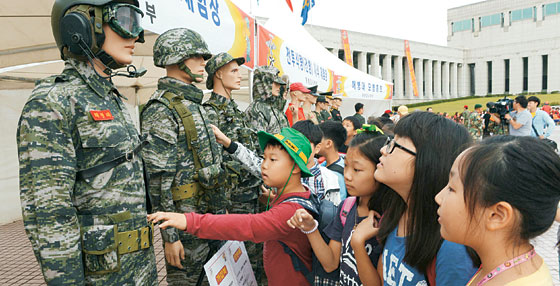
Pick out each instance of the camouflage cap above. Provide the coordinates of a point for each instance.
(177, 45)
(216, 62)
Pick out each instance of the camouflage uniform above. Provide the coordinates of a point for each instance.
(177, 184)
(78, 224)
(495, 128)
(474, 125)
(265, 113)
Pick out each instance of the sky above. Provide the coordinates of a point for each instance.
(422, 21)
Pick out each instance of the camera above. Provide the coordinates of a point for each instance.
(502, 106)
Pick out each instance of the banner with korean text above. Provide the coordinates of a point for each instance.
(223, 25)
(289, 47)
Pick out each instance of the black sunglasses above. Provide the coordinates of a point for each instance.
(391, 144)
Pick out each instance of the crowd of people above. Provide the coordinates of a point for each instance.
(319, 199)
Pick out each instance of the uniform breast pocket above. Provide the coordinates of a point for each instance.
(101, 142)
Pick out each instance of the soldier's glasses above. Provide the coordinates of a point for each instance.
(124, 19)
(390, 145)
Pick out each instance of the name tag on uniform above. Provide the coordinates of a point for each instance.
(101, 115)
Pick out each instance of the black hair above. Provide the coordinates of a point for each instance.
(310, 130)
(428, 109)
(355, 122)
(438, 142)
(369, 144)
(274, 143)
(520, 170)
(358, 106)
(522, 100)
(535, 99)
(334, 131)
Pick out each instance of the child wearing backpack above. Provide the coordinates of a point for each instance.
(415, 165)
(502, 193)
(285, 158)
(364, 200)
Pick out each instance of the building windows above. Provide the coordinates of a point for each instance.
(464, 25)
(545, 72)
(525, 74)
(523, 14)
(489, 65)
(506, 64)
(551, 9)
(471, 79)
(491, 20)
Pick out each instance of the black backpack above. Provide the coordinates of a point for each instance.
(324, 212)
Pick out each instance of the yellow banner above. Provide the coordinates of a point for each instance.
(346, 45)
(410, 68)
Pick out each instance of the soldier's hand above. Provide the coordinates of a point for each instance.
(266, 195)
(176, 220)
(221, 138)
(174, 253)
(302, 220)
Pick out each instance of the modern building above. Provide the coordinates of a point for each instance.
(494, 47)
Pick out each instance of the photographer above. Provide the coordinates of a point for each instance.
(520, 119)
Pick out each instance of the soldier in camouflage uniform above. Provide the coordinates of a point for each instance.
(222, 112)
(265, 112)
(183, 159)
(82, 185)
(474, 123)
(495, 126)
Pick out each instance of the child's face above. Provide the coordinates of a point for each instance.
(350, 132)
(453, 215)
(358, 171)
(276, 166)
(396, 168)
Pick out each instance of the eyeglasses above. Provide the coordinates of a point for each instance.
(390, 145)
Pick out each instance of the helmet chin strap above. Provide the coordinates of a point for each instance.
(188, 71)
(227, 90)
(107, 61)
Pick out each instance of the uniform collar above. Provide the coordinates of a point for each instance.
(221, 100)
(100, 86)
(188, 91)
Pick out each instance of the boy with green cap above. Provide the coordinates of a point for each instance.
(222, 111)
(285, 159)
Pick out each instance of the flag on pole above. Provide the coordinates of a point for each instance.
(307, 5)
(289, 2)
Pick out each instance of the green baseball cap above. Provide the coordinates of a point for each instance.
(477, 106)
(295, 143)
(216, 62)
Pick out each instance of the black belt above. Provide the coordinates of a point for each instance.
(104, 167)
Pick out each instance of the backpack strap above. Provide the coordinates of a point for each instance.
(346, 207)
(431, 273)
(188, 124)
(307, 204)
(296, 261)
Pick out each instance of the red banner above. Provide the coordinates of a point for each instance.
(346, 45)
(410, 67)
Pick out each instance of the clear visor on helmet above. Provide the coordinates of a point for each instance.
(124, 19)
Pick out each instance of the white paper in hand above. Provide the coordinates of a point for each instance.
(230, 266)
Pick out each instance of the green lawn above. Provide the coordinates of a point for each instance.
(454, 105)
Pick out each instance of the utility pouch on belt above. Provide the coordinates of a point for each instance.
(211, 177)
(103, 244)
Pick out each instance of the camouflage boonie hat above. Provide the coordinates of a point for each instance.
(177, 45)
(216, 62)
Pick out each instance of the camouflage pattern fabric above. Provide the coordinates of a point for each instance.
(72, 222)
(265, 112)
(474, 125)
(495, 128)
(176, 45)
(244, 187)
(465, 116)
(170, 164)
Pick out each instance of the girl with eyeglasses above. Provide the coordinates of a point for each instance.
(415, 165)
